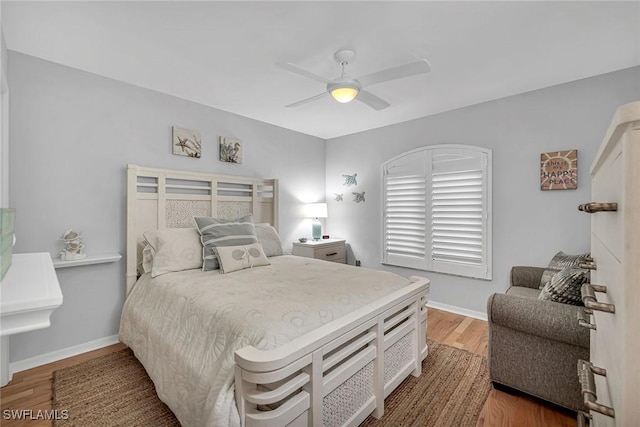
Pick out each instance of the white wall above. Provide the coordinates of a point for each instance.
(529, 225)
(72, 134)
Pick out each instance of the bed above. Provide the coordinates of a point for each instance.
(293, 342)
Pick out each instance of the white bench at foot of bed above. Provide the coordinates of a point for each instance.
(339, 374)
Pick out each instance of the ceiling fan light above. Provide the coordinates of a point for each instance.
(344, 94)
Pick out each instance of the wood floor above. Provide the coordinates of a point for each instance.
(31, 389)
(500, 409)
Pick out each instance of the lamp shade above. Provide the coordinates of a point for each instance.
(315, 210)
(344, 89)
(344, 94)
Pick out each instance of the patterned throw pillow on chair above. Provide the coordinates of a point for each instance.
(565, 286)
(558, 262)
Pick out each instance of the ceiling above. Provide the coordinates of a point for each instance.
(222, 54)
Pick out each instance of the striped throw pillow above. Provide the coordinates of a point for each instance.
(216, 232)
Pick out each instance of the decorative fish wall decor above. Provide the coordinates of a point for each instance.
(338, 197)
(359, 197)
(350, 180)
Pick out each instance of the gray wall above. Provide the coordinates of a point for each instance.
(72, 134)
(529, 225)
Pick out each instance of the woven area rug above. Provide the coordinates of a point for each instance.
(450, 392)
(114, 390)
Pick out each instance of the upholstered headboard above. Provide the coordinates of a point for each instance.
(165, 198)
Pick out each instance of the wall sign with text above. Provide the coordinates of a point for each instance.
(559, 170)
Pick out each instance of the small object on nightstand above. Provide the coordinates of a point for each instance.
(302, 240)
(326, 236)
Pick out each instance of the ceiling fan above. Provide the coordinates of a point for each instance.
(345, 89)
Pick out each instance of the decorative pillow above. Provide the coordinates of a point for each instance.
(234, 258)
(173, 249)
(557, 263)
(147, 258)
(269, 239)
(565, 286)
(215, 232)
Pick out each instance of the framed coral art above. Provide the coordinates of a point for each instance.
(186, 142)
(230, 150)
(559, 170)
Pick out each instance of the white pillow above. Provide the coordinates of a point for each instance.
(234, 258)
(174, 249)
(147, 258)
(269, 239)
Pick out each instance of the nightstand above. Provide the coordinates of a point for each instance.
(326, 249)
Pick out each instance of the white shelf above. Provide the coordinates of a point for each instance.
(90, 259)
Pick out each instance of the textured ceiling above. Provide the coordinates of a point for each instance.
(222, 54)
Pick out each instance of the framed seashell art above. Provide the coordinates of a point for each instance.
(230, 150)
(186, 142)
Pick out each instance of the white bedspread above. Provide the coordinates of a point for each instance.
(185, 327)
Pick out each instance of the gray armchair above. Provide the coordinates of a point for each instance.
(534, 345)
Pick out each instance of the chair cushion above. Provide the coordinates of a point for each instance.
(521, 291)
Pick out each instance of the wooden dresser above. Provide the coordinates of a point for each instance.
(613, 297)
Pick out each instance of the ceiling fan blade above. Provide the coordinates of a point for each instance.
(406, 70)
(306, 100)
(372, 101)
(297, 70)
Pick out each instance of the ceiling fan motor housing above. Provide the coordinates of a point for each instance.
(344, 82)
(344, 56)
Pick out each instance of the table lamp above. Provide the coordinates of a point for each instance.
(316, 210)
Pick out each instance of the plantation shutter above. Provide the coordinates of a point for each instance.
(404, 211)
(436, 210)
(457, 217)
(459, 212)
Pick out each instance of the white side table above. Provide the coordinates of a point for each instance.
(29, 293)
(326, 249)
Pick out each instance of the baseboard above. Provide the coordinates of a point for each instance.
(54, 356)
(457, 310)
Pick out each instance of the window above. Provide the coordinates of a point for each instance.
(436, 213)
